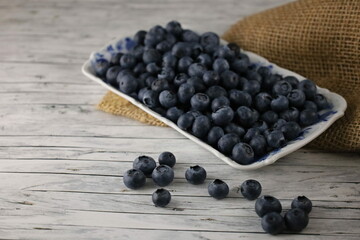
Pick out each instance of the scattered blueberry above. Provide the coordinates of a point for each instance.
(195, 175)
(145, 164)
(303, 203)
(267, 204)
(296, 219)
(250, 189)
(134, 179)
(161, 197)
(162, 175)
(167, 158)
(273, 223)
(218, 189)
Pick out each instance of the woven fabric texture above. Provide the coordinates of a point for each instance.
(319, 39)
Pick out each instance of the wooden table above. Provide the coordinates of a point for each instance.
(61, 160)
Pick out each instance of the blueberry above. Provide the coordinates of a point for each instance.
(296, 98)
(149, 80)
(153, 68)
(308, 117)
(321, 101)
(167, 73)
(181, 49)
(211, 78)
(138, 70)
(160, 85)
(161, 197)
(169, 60)
(223, 116)
(190, 36)
(157, 30)
(115, 58)
(270, 117)
(267, 204)
(197, 83)
(264, 72)
(139, 37)
(239, 65)
(151, 56)
(279, 103)
(141, 93)
(219, 102)
(209, 38)
(201, 126)
(218, 189)
(174, 27)
(234, 128)
(235, 48)
(253, 75)
(195, 175)
(262, 101)
(162, 175)
(258, 144)
(196, 70)
(170, 38)
(292, 114)
(243, 153)
(291, 130)
(246, 116)
(111, 75)
(152, 39)
(279, 123)
(273, 223)
(308, 87)
(195, 113)
(252, 87)
(185, 121)
(292, 80)
(196, 50)
(214, 135)
(220, 65)
(167, 158)
(200, 102)
(150, 99)
(180, 79)
(127, 83)
(204, 59)
(185, 93)
(250, 189)
(138, 52)
(160, 110)
(310, 105)
(281, 88)
(215, 92)
(261, 125)
(303, 203)
(227, 142)
(145, 164)
(167, 99)
(240, 98)
(268, 82)
(124, 72)
(127, 61)
(134, 179)
(184, 64)
(276, 139)
(174, 113)
(229, 79)
(163, 46)
(100, 66)
(224, 52)
(296, 219)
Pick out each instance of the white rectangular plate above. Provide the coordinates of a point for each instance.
(327, 117)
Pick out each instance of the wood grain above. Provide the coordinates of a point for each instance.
(61, 160)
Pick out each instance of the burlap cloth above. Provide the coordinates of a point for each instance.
(319, 39)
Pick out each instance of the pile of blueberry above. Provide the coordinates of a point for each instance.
(213, 91)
